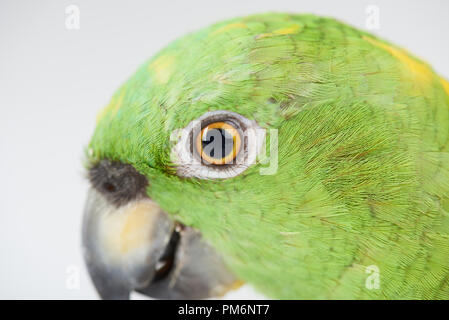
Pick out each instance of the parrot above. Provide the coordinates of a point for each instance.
(289, 152)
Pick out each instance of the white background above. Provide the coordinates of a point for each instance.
(53, 81)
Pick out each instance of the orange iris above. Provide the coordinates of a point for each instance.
(218, 143)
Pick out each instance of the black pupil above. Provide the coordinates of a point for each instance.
(217, 143)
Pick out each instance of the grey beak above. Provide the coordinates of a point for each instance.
(133, 245)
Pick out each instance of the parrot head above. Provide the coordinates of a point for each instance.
(220, 162)
(173, 168)
(176, 180)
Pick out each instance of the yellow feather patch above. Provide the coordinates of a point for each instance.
(445, 84)
(289, 30)
(112, 107)
(236, 25)
(294, 28)
(162, 68)
(420, 70)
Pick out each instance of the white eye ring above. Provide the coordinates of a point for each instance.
(189, 164)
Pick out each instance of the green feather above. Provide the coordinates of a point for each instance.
(363, 176)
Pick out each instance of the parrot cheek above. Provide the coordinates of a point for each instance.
(133, 245)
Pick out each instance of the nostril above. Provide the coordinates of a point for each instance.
(109, 187)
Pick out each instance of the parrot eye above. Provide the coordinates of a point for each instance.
(219, 144)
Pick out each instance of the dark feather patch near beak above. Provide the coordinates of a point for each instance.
(130, 244)
(119, 183)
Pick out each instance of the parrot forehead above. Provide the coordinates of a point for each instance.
(213, 65)
(212, 54)
(223, 67)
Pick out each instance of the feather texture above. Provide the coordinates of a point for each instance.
(363, 175)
